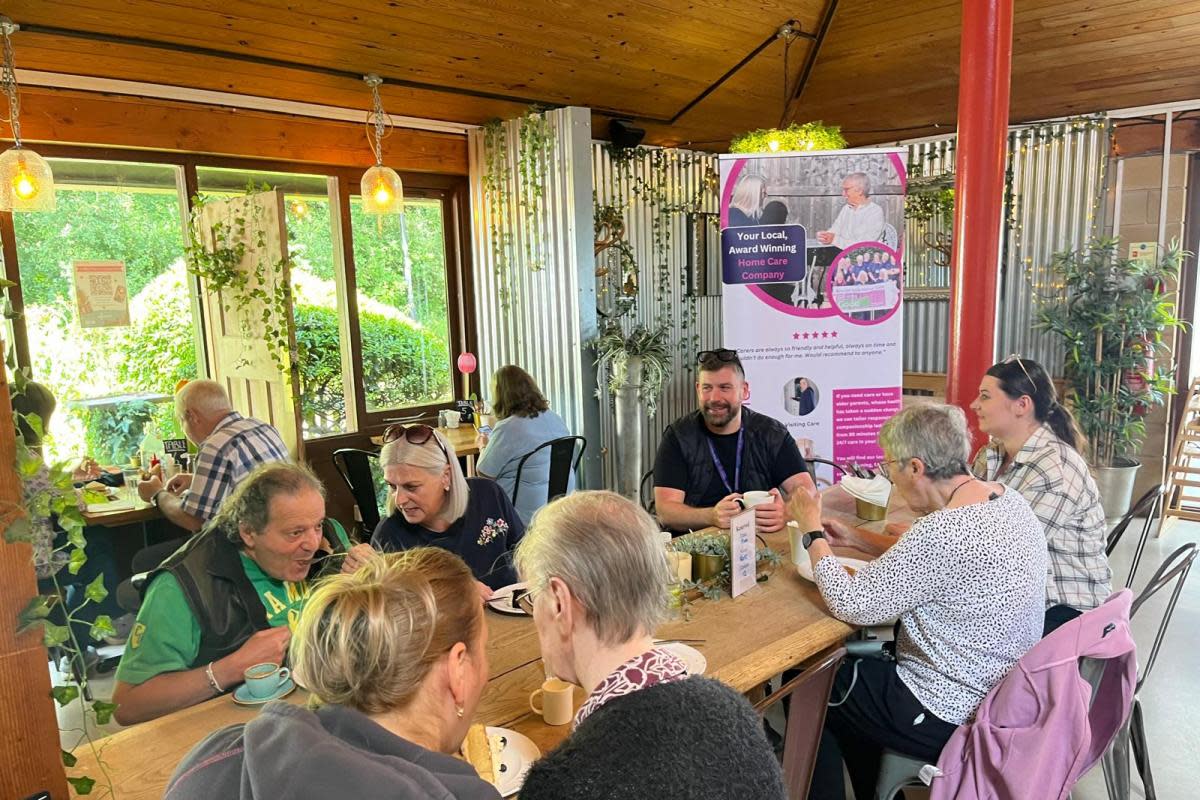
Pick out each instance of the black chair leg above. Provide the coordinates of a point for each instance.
(1141, 754)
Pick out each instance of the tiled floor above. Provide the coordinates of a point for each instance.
(1169, 699)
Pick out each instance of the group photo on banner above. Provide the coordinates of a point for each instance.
(811, 248)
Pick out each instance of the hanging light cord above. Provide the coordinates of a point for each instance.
(788, 34)
(8, 79)
(382, 122)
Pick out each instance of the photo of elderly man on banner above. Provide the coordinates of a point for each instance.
(812, 256)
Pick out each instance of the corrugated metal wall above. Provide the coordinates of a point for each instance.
(1058, 184)
(543, 317)
(691, 332)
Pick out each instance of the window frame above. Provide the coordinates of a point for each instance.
(452, 190)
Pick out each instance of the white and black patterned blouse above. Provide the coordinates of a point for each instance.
(1054, 478)
(968, 585)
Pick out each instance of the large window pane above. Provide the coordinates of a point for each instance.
(108, 381)
(314, 288)
(403, 310)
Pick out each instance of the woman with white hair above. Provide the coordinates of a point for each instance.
(597, 590)
(967, 583)
(432, 504)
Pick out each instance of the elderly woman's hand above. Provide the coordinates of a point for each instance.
(839, 534)
(485, 591)
(357, 556)
(805, 509)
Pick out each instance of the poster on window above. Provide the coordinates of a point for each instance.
(101, 294)
(811, 247)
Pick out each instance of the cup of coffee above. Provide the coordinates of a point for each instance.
(264, 680)
(795, 535)
(752, 499)
(557, 698)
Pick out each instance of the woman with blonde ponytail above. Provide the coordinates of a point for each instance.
(1035, 449)
(394, 655)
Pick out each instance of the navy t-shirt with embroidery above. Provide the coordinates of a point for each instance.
(484, 536)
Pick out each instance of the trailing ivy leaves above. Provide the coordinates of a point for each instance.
(81, 785)
(103, 711)
(65, 694)
(68, 759)
(102, 626)
(54, 635)
(78, 559)
(36, 610)
(18, 530)
(95, 590)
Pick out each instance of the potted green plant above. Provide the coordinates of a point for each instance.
(1112, 317)
(710, 553)
(637, 364)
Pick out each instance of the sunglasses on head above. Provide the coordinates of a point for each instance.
(723, 354)
(413, 434)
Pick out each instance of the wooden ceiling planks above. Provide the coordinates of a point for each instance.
(887, 69)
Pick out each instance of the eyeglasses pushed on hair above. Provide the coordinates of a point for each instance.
(1017, 358)
(722, 354)
(414, 434)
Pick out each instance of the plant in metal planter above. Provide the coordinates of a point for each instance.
(712, 581)
(1112, 317)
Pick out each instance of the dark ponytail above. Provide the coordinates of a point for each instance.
(1025, 377)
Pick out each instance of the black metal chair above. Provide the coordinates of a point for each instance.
(646, 491)
(563, 462)
(358, 468)
(1174, 569)
(812, 467)
(1148, 506)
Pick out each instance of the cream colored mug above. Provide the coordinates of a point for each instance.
(557, 698)
(752, 499)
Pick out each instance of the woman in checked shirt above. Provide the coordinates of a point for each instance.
(1035, 450)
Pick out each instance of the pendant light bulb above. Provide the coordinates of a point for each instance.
(26, 181)
(381, 188)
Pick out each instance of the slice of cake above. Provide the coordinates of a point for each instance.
(483, 752)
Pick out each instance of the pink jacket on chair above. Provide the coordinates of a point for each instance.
(1034, 734)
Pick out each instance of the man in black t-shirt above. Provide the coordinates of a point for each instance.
(708, 458)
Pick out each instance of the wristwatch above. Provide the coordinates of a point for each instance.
(807, 539)
(154, 499)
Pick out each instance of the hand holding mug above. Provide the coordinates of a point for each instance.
(768, 516)
(726, 509)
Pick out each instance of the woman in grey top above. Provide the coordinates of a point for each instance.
(525, 423)
(967, 583)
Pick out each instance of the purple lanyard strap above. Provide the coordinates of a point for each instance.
(737, 464)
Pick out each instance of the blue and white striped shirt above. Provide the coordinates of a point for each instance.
(235, 447)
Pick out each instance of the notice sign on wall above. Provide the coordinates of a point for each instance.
(101, 294)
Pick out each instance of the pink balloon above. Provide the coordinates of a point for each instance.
(467, 363)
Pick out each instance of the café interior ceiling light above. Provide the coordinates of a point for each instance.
(26, 182)
(382, 190)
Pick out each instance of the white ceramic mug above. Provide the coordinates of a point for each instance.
(752, 499)
(557, 701)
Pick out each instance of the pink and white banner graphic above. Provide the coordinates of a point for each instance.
(813, 297)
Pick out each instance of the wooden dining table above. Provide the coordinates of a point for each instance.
(778, 624)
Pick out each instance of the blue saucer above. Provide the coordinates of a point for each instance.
(242, 695)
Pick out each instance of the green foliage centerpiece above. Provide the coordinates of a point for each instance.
(711, 550)
(792, 139)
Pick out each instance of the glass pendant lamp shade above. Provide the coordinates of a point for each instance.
(26, 182)
(382, 191)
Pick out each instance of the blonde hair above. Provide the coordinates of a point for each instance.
(607, 550)
(368, 639)
(748, 195)
(430, 458)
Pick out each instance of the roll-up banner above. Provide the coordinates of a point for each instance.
(811, 247)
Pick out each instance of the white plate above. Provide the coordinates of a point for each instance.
(804, 565)
(517, 756)
(692, 658)
(502, 600)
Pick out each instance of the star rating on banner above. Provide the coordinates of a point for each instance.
(814, 335)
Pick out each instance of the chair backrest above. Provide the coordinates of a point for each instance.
(809, 693)
(812, 462)
(1148, 506)
(646, 491)
(355, 467)
(562, 450)
(1174, 568)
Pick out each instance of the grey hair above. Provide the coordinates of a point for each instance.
(935, 433)
(606, 549)
(205, 397)
(429, 457)
(249, 504)
(864, 182)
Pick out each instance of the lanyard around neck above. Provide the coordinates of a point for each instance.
(737, 463)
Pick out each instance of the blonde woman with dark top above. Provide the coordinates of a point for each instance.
(395, 655)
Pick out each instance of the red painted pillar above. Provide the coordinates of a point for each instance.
(984, 71)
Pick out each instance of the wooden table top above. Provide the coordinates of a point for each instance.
(772, 627)
(140, 512)
(462, 439)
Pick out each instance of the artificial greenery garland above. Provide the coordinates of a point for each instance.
(792, 139)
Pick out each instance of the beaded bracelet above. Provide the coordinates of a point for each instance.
(212, 679)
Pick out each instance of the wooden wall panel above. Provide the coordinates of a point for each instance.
(29, 747)
(89, 118)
